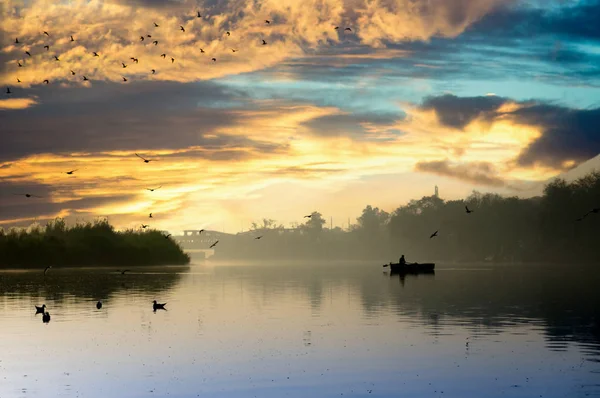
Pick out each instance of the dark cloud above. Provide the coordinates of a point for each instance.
(457, 112)
(19, 207)
(352, 125)
(481, 173)
(109, 117)
(567, 133)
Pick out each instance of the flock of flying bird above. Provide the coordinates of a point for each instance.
(133, 59)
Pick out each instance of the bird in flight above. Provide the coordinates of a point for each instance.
(202, 51)
(198, 15)
(213, 245)
(228, 33)
(258, 237)
(73, 73)
(348, 29)
(167, 236)
(214, 60)
(336, 28)
(56, 58)
(28, 53)
(308, 216)
(72, 171)
(141, 38)
(163, 55)
(153, 71)
(153, 189)
(85, 79)
(232, 50)
(46, 81)
(137, 61)
(123, 272)
(267, 21)
(172, 59)
(95, 54)
(181, 28)
(123, 63)
(594, 211)
(200, 231)
(47, 47)
(27, 195)
(124, 78)
(8, 90)
(72, 39)
(264, 43)
(18, 63)
(46, 33)
(18, 80)
(144, 159)
(150, 215)
(467, 210)
(46, 269)
(155, 25)
(17, 40)
(155, 42)
(144, 226)
(434, 234)
(149, 36)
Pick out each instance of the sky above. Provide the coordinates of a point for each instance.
(244, 119)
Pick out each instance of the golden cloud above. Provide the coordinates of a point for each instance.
(16, 103)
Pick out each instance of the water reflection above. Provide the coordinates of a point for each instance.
(307, 330)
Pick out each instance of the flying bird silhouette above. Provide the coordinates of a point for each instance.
(467, 210)
(163, 55)
(336, 28)
(267, 21)
(46, 269)
(155, 25)
(144, 226)
(85, 79)
(19, 63)
(46, 33)
(172, 59)
(228, 33)
(214, 59)
(153, 71)
(95, 54)
(28, 53)
(213, 245)
(181, 28)
(156, 306)
(72, 39)
(17, 40)
(46, 81)
(258, 237)
(18, 80)
(123, 272)
(167, 236)
(348, 29)
(155, 42)
(232, 50)
(308, 216)
(141, 38)
(434, 234)
(124, 78)
(150, 215)
(264, 43)
(149, 36)
(8, 90)
(72, 171)
(47, 47)
(137, 61)
(153, 189)
(123, 63)
(27, 195)
(73, 73)
(144, 159)
(198, 15)
(202, 51)
(200, 231)
(56, 58)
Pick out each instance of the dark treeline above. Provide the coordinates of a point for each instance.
(500, 229)
(86, 244)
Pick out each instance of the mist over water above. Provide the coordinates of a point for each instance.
(311, 329)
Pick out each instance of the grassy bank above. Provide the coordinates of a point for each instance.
(89, 244)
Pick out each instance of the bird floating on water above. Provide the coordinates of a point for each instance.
(46, 317)
(157, 306)
(99, 304)
(40, 310)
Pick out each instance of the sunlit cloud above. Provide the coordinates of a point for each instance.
(17, 103)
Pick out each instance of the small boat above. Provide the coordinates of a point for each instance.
(411, 268)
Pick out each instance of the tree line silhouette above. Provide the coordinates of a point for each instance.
(87, 244)
(558, 226)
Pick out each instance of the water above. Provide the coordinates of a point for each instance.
(309, 330)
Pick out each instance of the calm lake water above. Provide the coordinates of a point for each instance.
(303, 331)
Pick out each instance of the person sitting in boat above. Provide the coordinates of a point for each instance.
(402, 261)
